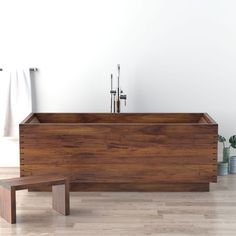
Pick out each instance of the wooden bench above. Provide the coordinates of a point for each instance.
(8, 188)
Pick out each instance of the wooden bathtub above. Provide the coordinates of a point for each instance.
(122, 152)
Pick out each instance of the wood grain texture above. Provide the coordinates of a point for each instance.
(118, 117)
(26, 182)
(115, 149)
(8, 204)
(60, 198)
(8, 189)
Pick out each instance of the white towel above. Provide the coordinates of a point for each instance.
(16, 100)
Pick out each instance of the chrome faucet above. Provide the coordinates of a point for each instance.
(117, 95)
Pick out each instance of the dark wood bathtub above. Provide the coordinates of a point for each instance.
(122, 152)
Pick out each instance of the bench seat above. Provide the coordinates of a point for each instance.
(8, 187)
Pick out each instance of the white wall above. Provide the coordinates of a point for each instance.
(175, 56)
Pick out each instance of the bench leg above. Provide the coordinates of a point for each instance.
(8, 204)
(61, 198)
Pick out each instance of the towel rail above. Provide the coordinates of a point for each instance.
(31, 69)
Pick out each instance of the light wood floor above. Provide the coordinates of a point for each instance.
(105, 213)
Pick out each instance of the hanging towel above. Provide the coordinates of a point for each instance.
(16, 100)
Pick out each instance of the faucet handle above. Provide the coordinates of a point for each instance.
(123, 97)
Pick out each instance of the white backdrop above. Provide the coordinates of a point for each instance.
(175, 56)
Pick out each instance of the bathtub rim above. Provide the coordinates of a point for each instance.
(32, 119)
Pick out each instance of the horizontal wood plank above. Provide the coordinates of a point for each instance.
(30, 181)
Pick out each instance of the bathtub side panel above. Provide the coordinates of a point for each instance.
(121, 153)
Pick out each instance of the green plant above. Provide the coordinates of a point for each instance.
(232, 141)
